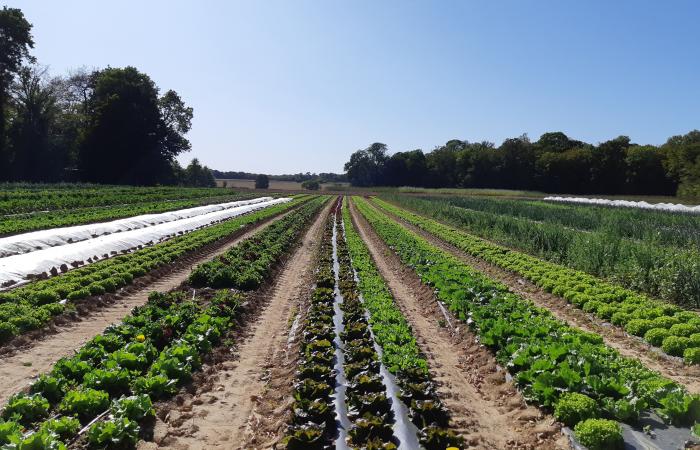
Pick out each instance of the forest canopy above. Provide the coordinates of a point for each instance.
(554, 163)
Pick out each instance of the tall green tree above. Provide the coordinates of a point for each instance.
(683, 162)
(366, 166)
(196, 175)
(36, 153)
(132, 135)
(15, 43)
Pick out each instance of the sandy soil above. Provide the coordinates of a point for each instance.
(614, 336)
(486, 410)
(243, 400)
(18, 370)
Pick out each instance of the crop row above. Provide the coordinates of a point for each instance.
(660, 227)
(313, 426)
(675, 330)
(369, 407)
(339, 385)
(16, 199)
(246, 265)
(119, 374)
(400, 352)
(30, 307)
(561, 368)
(63, 218)
(669, 273)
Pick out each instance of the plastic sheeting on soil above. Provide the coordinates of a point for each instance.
(38, 240)
(53, 260)
(650, 434)
(673, 207)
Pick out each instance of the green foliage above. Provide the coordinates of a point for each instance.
(574, 407)
(675, 345)
(262, 182)
(136, 407)
(311, 185)
(20, 313)
(640, 315)
(26, 409)
(546, 357)
(84, 403)
(599, 434)
(246, 266)
(114, 434)
(64, 427)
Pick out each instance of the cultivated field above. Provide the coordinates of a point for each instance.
(276, 185)
(221, 319)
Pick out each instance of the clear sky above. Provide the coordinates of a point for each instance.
(288, 86)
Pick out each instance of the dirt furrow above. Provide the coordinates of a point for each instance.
(486, 409)
(244, 400)
(18, 371)
(615, 337)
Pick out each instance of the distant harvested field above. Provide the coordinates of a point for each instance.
(275, 185)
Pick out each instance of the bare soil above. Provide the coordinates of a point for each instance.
(614, 336)
(243, 399)
(19, 368)
(485, 408)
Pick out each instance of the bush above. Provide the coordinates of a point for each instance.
(599, 434)
(312, 185)
(262, 182)
(573, 407)
(675, 345)
(656, 336)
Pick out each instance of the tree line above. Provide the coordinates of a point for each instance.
(555, 163)
(300, 177)
(110, 125)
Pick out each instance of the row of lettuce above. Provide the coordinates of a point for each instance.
(64, 218)
(675, 330)
(587, 384)
(28, 198)
(32, 306)
(400, 352)
(102, 396)
(655, 268)
(362, 295)
(319, 402)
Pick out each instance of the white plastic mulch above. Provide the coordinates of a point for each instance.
(674, 207)
(38, 240)
(65, 255)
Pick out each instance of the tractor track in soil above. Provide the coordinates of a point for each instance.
(242, 398)
(31, 356)
(613, 336)
(486, 409)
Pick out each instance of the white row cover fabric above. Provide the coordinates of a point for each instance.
(673, 207)
(53, 260)
(38, 240)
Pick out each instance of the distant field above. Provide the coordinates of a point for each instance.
(275, 185)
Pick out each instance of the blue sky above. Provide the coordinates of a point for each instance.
(288, 86)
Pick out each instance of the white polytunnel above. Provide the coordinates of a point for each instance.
(673, 207)
(38, 240)
(52, 260)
